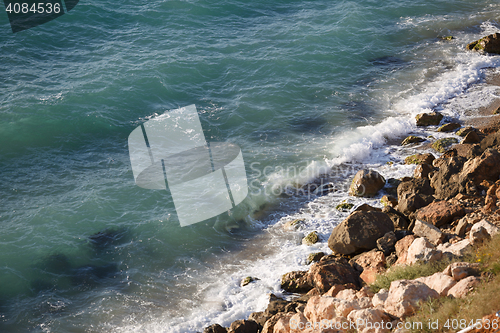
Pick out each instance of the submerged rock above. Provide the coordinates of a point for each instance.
(489, 44)
(428, 119)
(106, 238)
(412, 139)
(366, 183)
(450, 127)
(345, 206)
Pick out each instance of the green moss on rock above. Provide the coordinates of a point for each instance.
(345, 206)
(411, 139)
(441, 144)
(449, 127)
(310, 239)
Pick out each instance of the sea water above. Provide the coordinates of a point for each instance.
(302, 87)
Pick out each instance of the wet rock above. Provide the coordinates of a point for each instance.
(215, 328)
(414, 194)
(440, 213)
(405, 296)
(441, 145)
(412, 139)
(89, 276)
(430, 232)
(420, 159)
(422, 250)
(366, 183)
(450, 127)
(359, 231)
(244, 326)
(387, 242)
(428, 119)
(423, 171)
(293, 225)
(489, 44)
(247, 280)
(296, 282)
(330, 271)
(310, 239)
(314, 257)
(345, 206)
(471, 137)
(463, 287)
(439, 282)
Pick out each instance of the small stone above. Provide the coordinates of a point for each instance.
(412, 139)
(461, 270)
(389, 200)
(430, 232)
(345, 206)
(428, 119)
(441, 144)
(215, 328)
(244, 326)
(423, 171)
(463, 287)
(314, 257)
(447, 38)
(461, 227)
(293, 225)
(310, 239)
(247, 281)
(450, 127)
(458, 249)
(422, 250)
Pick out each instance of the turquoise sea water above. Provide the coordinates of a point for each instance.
(296, 84)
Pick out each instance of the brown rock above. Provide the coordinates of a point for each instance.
(414, 194)
(359, 231)
(215, 328)
(296, 282)
(333, 291)
(399, 221)
(269, 325)
(458, 249)
(405, 295)
(389, 200)
(489, 44)
(370, 264)
(450, 127)
(366, 183)
(367, 208)
(440, 213)
(464, 131)
(402, 249)
(463, 287)
(445, 180)
(484, 167)
(319, 308)
(244, 326)
(387, 242)
(423, 170)
(330, 271)
(471, 137)
(412, 139)
(491, 141)
(420, 159)
(259, 317)
(430, 232)
(427, 119)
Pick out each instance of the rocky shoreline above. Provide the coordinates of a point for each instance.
(450, 206)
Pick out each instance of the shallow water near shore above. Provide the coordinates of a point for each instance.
(303, 87)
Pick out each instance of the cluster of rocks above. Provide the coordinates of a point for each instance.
(450, 205)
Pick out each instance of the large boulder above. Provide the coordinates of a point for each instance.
(330, 271)
(370, 320)
(414, 194)
(422, 250)
(463, 287)
(439, 281)
(430, 232)
(489, 44)
(366, 183)
(405, 295)
(445, 180)
(440, 213)
(427, 119)
(359, 231)
(491, 141)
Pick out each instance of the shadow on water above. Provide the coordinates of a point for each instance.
(308, 124)
(358, 111)
(106, 240)
(390, 62)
